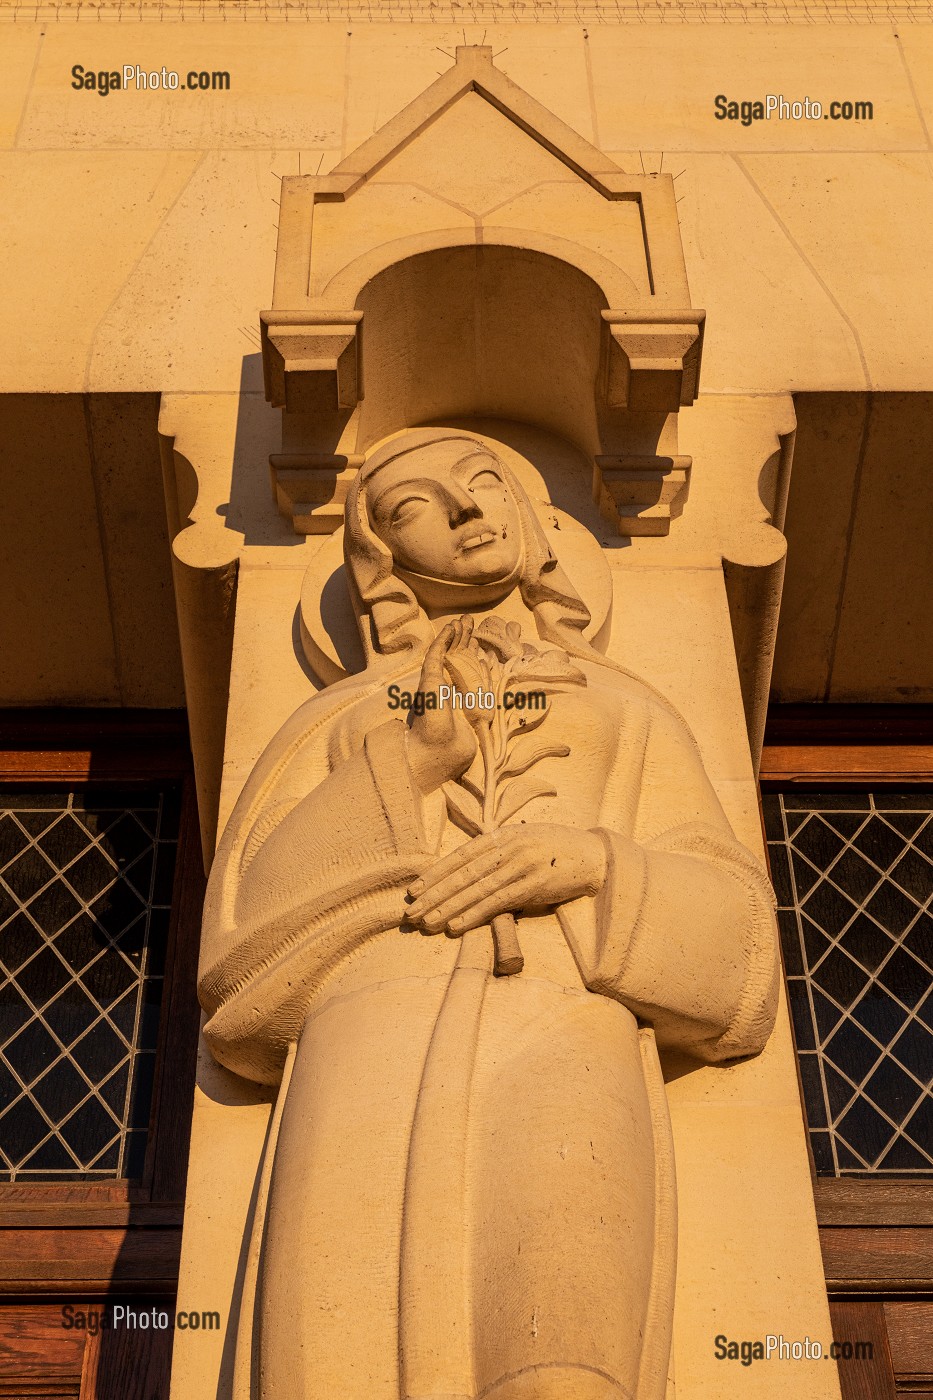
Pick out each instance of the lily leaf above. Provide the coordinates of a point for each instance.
(517, 795)
(523, 722)
(464, 810)
(521, 765)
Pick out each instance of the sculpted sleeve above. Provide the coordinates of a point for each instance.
(305, 889)
(683, 931)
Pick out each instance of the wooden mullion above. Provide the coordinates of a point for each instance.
(92, 1260)
(863, 1379)
(89, 766)
(846, 765)
(848, 1201)
(109, 1215)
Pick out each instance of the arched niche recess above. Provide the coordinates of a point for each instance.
(482, 330)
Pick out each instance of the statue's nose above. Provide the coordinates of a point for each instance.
(463, 507)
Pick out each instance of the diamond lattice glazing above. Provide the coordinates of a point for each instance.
(854, 879)
(85, 893)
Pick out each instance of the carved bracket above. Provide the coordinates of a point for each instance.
(653, 363)
(641, 495)
(311, 360)
(310, 490)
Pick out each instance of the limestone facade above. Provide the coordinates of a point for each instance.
(539, 234)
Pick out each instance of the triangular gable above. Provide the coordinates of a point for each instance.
(474, 71)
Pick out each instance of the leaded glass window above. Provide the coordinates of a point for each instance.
(85, 894)
(853, 872)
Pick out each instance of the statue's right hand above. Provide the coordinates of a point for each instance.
(441, 742)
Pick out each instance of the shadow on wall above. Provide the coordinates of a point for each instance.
(856, 623)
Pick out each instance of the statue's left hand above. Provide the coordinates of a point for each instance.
(509, 869)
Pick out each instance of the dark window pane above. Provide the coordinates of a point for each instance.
(805, 876)
(91, 874)
(848, 1160)
(31, 1052)
(914, 1049)
(880, 1014)
(864, 1129)
(827, 1015)
(923, 841)
(23, 1128)
(60, 1090)
(919, 940)
(839, 1092)
(848, 824)
(19, 940)
(773, 820)
(852, 1051)
(790, 943)
(813, 1094)
(780, 876)
(919, 1126)
(905, 977)
(866, 942)
(27, 874)
(822, 1153)
(914, 873)
(853, 874)
(42, 977)
(892, 909)
(858, 954)
(13, 838)
(815, 942)
(880, 843)
(801, 1014)
(903, 1156)
(908, 823)
(838, 975)
(54, 907)
(85, 953)
(64, 841)
(829, 908)
(818, 842)
(893, 1091)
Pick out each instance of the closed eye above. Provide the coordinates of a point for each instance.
(399, 506)
(485, 478)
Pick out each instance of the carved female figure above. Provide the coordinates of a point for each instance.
(472, 1192)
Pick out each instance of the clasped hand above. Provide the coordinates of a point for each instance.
(516, 867)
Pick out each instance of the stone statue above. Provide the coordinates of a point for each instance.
(456, 933)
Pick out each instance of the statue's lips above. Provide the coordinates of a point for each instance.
(477, 541)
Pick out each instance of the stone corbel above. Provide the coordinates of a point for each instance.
(653, 364)
(311, 360)
(641, 495)
(311, 489)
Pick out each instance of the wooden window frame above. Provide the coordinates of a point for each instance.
(105, 1238)
(876, 1237)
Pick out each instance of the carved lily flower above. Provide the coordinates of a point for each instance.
(469, 670)
(503, 639)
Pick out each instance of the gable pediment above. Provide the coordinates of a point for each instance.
(475, 79)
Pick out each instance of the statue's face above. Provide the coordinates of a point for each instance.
(447, 515)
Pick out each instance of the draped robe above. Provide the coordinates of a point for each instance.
(472, 1192)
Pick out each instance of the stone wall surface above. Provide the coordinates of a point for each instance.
(803, 238)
